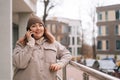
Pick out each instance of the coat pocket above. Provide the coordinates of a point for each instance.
(50, 54)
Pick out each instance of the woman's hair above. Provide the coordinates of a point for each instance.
(50, 38)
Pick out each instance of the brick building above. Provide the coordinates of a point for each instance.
(108, 40)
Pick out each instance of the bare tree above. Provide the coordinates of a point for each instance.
(87, 51)
(94, 39)
(92, 15)
(90, 22)
(48, 5)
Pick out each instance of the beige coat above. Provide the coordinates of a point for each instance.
(32, 63)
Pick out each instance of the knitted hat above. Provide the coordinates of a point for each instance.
(32, 20)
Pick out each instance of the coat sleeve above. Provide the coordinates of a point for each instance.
(21, 56)
(63, 55)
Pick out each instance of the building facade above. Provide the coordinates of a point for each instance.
(60, 30)
(67, 32)
(108, 40)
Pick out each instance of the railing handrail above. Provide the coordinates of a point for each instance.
(92, 72)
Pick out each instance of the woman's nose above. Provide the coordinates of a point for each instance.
(38, 27)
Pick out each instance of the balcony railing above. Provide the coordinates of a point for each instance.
(87, 73)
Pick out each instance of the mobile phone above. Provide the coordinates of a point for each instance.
(32, 35)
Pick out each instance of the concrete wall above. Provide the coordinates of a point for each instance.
(23, 18)
(5, 40)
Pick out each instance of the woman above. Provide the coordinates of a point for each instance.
(35, 55)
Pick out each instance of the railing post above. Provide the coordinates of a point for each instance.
(85, 76)
(64, 73)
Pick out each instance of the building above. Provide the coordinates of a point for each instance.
(13, 17)
(21, 10)
(60, 30)
(67, 31)
(108, 40)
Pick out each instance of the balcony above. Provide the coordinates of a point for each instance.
(76, 71)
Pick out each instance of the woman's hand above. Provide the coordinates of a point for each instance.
(28, 34)
(26, 38)
(55, 67)
(30, 39)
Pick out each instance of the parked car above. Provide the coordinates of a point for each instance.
(107, 66)
(104, 65)
(117, 69)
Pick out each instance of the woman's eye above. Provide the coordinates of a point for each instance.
(33, 25)
(40, 25)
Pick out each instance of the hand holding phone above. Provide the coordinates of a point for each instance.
(29, 34)
(30, 40)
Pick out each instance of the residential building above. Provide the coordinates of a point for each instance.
(108, 40)
(66, 31)
(60, 30)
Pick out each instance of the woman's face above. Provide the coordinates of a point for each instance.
(38, 30)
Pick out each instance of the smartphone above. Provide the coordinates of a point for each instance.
(32, 35)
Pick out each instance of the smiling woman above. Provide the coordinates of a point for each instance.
(36, 27)
(35, 56)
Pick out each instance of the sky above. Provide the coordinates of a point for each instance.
(73, 8)
(79, 10)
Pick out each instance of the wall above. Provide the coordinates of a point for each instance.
(5, 40)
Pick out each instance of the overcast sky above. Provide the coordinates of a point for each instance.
(80, 10)
(74, 9)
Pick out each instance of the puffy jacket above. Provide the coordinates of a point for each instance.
(32, 63)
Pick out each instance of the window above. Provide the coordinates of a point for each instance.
(117, 15)
(99, 46)
(103, 45)
(118, 44)
(73, 41)
(103, 30)
(117, 29)
(78, 40)
(78, 30)
(65, 29)
(107, 30)
(107, 44)
(78, 50)
(70, 29)
(99, 31)
(99, 16)
(73, 30)
(106, 15)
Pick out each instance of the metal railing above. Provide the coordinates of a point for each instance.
(88, 72)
